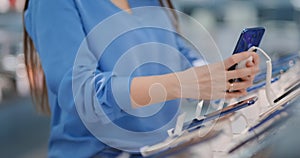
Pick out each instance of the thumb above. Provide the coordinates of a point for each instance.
(236, 58)
(249, 64)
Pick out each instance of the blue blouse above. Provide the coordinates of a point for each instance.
(90, 50)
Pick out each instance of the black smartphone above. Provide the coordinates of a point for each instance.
(248, 38)
(233, 107)
(220, 113)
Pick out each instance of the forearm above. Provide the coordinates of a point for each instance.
(154, 89)
(205, 82)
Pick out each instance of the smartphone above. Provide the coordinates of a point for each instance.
(248, 38)
(220, 113)
(233, 107)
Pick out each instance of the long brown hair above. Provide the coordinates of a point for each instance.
(35, 72)
(174, 17)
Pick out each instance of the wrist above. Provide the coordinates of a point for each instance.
(172, 85)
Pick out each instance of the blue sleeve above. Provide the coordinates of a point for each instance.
(190, 52)
(57, 31)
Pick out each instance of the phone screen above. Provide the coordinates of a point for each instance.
(248, 38)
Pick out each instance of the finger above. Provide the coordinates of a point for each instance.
(236, 58)
(243, 92)
(240, 73)
(249, 64)
(248, 78)
(235, 94)
(256, 59)
(239, 85)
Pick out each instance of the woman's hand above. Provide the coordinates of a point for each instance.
(212, 81)
(205, 82)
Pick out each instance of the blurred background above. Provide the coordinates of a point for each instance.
(24, 133)
(225, 19)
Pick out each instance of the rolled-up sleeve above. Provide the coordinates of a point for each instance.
(190, 52)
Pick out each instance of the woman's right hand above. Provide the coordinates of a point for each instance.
(206, 82)
(212, 81)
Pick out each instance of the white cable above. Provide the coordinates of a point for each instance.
(268, 74)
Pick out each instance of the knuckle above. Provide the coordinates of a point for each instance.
(231, 60)
(239, 73)
(228, 96)
(257, 69)
(227, 75)
(253, 70)
(244, 92)
(249, 83)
